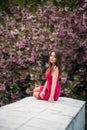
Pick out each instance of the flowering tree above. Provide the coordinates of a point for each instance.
(25, 42)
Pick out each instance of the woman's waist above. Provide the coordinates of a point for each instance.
(49, 84)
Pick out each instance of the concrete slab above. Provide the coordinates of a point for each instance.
(32, 114)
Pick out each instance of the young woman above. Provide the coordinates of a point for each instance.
(51, 90)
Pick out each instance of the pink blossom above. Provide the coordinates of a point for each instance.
(2, 87)
(64, 79)
(1, 64)
(15, 32)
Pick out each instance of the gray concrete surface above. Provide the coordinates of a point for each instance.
(32, 114)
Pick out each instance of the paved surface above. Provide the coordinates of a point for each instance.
(32, 114)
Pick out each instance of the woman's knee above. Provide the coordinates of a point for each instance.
(35, 94)
(37, 89)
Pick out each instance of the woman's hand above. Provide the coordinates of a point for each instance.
(42, 94)
(51, 99)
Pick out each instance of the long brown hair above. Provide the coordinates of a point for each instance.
(58, 60)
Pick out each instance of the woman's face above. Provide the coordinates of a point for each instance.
(52, 58)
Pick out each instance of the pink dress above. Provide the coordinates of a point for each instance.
(48, 87)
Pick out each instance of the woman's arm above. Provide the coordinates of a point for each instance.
(54, 81)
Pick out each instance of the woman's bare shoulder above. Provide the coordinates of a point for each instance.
(55, 70)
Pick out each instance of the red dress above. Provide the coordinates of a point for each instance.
(48, 87)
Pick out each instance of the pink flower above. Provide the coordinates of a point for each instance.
(1, 64)
(15, 32)
(2, 87)
(64, 79)
(42, 38)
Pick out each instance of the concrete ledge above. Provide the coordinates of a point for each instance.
(32, 114)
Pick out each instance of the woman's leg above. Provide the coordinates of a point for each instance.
(37, 89)
(36, 92)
